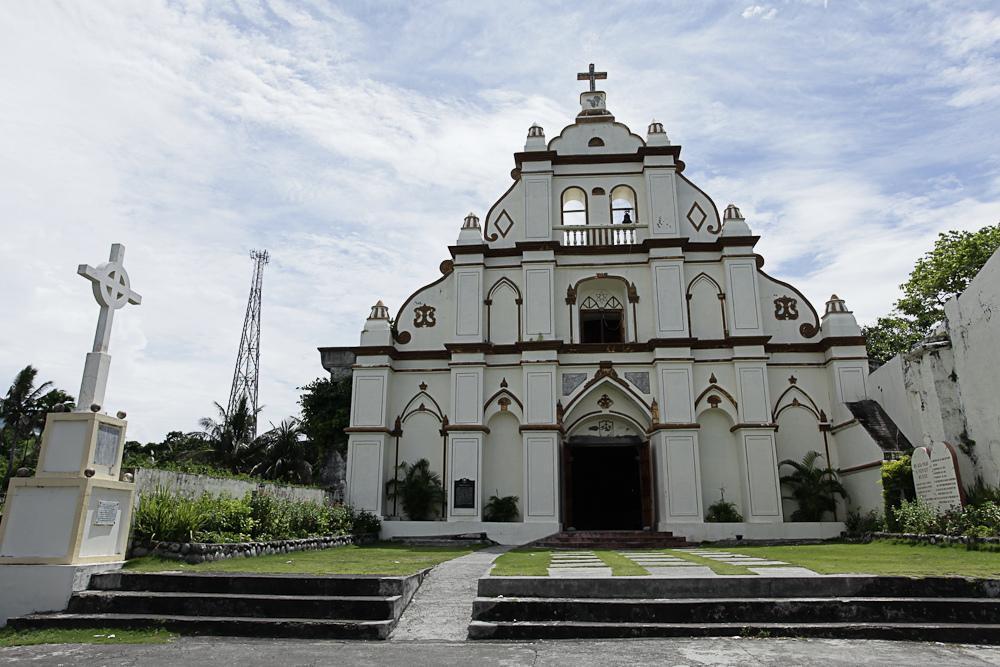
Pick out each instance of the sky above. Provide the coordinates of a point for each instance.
(350, 140)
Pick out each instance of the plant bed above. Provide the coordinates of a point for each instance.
(200, 552)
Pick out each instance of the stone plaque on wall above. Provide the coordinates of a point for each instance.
(465, 494)
(107, 513)
(106, 452)
(936, 478)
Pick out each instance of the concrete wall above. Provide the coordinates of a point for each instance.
(946, 388)
(28, 589)
(148, 479)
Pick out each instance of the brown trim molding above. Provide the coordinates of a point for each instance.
(671, 427)
(819, 346)
(451, 428)
(743, 425)
(368, 429)
(859, 468)
(540, 427)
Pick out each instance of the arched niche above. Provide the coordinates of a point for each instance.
(706, 308)
(503, 313)
(603, 310)
(798, 434)
(421, 439)
(719, 458)
(503, 460)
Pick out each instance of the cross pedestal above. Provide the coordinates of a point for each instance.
(72, 517)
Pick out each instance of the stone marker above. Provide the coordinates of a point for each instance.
(936, 478)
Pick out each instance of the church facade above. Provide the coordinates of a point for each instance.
(606, 346)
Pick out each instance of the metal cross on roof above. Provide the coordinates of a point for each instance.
(591, 75)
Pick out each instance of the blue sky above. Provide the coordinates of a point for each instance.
(350, 139)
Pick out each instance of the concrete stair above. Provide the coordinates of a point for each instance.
(329, 607)
(863, 607)
(611, 539)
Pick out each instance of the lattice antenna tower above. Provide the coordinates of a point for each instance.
(245, 378)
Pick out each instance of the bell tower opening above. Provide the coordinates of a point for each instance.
(602, 321)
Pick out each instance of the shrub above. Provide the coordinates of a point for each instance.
(271, 516)
(864, 524)
(897, 486)
(166, 517)
(981, 493)
(723, 511)
(915, 517)
(501, 509)
(366, 522)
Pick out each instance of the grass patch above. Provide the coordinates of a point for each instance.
(380, 558)
(717, 567)
(883, 557)
(620, 565)
(10, 637)
(523, 563)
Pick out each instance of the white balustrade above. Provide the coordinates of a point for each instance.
(598, 235)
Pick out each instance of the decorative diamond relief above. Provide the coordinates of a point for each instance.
(696, 216)
(503, 224)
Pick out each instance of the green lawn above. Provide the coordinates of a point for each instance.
(715, 566)
(380, 558)
(882, 558)
(522, 563)
(621, 566)
(9, 637)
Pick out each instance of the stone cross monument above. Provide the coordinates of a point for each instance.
(112, 291)
(75, 510)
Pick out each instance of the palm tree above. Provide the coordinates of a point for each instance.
(812, 488)
(420, 490)
(283, 454)
(23, 412)
(230, 436)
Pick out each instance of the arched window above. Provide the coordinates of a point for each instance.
(602, 319)
(623, 209)
(574, 207)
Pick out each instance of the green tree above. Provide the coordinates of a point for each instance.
(23, 411)
(230, 436)
(943, 272)
(326, 412)
(812, 488)
(283, 454)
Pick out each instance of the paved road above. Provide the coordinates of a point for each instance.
(665, 652)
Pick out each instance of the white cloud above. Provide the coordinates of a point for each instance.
(351, 140)
(762, 12)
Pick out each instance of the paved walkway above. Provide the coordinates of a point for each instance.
(573, 653)
(442, 606)
(578, 563)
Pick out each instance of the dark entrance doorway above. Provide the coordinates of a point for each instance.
(604, 484)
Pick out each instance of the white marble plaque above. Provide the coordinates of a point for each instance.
(107, 512)
(935, 477)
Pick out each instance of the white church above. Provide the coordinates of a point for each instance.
(606, 346)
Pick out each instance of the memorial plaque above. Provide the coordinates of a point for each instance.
(106, 453)
(935, 477)
(107, 513)
(465, 494)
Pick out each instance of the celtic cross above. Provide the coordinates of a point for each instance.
(112, 291)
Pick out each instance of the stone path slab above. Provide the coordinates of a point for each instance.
(790, 571)
(681, 572)
(442, 606)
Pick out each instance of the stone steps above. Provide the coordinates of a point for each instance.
(611, 539)
(933, 609)
(938, 632)
(738, 610)
(299, 628)
(332, 607)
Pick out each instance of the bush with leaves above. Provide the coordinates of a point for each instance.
(366, 523)
(165, 517)
(723, 511)
(897, 486)
(980, 493)
(915, 517)
(501, 509)
(870, 522)
(419, 491)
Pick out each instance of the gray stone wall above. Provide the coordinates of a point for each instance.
(148, 479)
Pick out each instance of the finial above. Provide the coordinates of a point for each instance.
(836, 305)
(732, 213)
(536, 130)
(471, 221)
(655, 127)
(379, 311)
